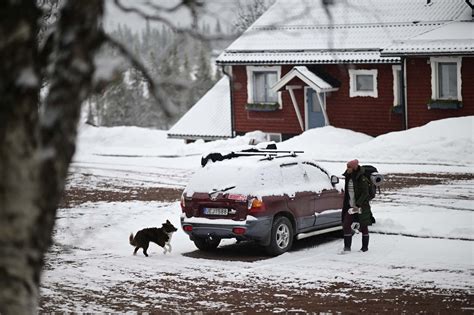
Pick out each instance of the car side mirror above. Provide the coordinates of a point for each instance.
(334, 180)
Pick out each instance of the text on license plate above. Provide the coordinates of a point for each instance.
(216, 211)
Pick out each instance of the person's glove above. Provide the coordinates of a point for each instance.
(354, 210)
(355, 227)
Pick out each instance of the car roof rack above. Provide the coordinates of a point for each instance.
(267, 154)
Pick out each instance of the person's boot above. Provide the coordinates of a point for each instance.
(347, 242)
(365, 243)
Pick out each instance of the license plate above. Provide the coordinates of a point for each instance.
(216, 211)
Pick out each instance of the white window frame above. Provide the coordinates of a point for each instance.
(251, 70)
(434, 61)
(353, 86)
(396, 85)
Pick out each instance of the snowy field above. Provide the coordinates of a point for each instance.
(423, 238)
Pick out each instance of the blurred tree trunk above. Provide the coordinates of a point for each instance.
(36, 149)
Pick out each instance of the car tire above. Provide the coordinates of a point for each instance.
(207, 244)
(281, 238)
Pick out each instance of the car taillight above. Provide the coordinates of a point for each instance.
(256, 205)
(188, 228)
(237, 197)
(239, 230)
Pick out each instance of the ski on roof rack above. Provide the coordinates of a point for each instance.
(268, 154)
(271, 157)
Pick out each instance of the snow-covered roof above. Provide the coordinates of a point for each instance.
(209, 118)
(306, 76)
(305, 31)
(452, 38)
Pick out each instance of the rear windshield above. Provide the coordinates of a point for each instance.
(227, 175)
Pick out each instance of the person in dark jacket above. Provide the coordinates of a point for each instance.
(356, 205)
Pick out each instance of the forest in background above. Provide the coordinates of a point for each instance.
(181, 63)
(169, 57)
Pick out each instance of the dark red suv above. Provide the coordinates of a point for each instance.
(262, 196)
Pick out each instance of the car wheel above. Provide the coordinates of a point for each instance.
(207, 244)
(281, 237)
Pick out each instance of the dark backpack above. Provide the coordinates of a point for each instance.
(369, 170)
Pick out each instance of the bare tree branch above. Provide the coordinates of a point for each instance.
(183, 3)
(167, 104)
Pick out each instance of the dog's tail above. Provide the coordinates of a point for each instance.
(131, 240)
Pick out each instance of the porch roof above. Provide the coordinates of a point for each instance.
(308, 77)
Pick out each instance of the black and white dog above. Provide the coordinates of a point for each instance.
(161, 236)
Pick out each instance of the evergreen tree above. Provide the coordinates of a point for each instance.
(218, 28)
(170, 58)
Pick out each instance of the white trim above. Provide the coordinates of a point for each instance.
(405, 91)
(396, 85)
(352, 83)
(306, 107)
(295, 105)
(250, 70)
(322, 103)
(434, 61)
(308, 77)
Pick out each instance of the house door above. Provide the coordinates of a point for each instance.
(314, 113)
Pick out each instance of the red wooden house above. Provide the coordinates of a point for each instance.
(370, 66)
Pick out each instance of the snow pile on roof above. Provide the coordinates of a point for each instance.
(299, 31)
(209, 118)
(303, 13)
(456, 37)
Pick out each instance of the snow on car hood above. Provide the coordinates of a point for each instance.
(257, 177)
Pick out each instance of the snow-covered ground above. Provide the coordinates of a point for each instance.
(423, 236)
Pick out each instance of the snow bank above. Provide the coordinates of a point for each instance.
(125, 138)
(325, 142)
(446, 143)
(128, 140)
(443, 141)
(448, 140)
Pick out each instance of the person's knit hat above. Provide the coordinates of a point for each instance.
(353, 164)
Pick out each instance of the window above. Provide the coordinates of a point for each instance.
(274, 137)
(260, 81)
(363, 83)
(316, 104)
(397, 85)
(446, 78)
